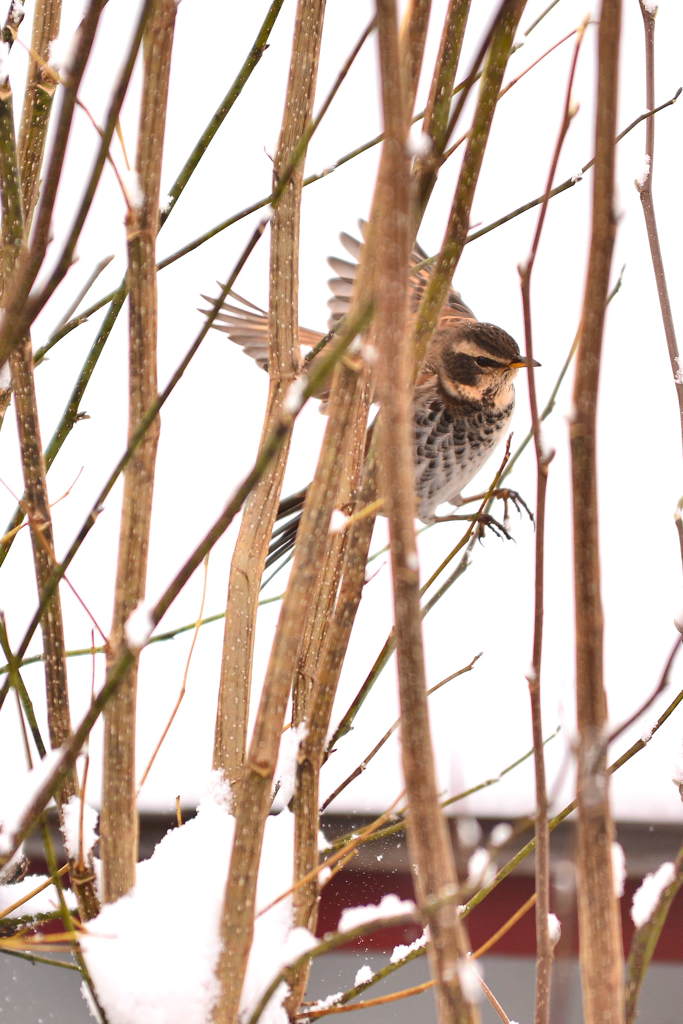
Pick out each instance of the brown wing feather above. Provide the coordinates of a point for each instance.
(341, 286)
(248, 326)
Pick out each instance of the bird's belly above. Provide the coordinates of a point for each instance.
(450, 450)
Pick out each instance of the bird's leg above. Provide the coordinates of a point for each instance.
(483, 519)
(505, 494)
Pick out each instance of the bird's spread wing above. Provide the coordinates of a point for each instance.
(248, 326)
(342, 285)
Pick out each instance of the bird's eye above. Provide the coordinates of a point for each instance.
(484, 362)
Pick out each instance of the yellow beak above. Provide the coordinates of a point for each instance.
(524, 362)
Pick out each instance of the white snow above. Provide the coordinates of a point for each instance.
(402, 951)
(419, 143)
(469, 831)
(5, 376)
(294, 397)
(60, 53)
(480, 869)
(644, 174)
(618, 869)
(15, 799)
(71, 828)
(324, 1004)
(363, 975)
(132, 187)
(369, 353)
(646, 897)
(43, 902)
(338, 520)
(577, 176)
(554, 929)
(650, 7)
(389, 906)
(470, 974)
(500, 834)
(678, 621)
(285, 771)
(412, 561)
(138, 628)
(163, 937)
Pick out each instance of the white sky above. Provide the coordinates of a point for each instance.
(211, 424)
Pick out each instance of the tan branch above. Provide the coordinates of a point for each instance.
(119, 825)
(599, 922)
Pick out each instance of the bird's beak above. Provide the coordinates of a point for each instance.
(524, 362)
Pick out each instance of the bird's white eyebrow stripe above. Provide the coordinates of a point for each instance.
(467, 348)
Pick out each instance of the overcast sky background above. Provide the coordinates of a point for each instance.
(211, 424)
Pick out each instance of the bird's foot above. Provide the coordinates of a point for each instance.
(483, 520)
(504, 494)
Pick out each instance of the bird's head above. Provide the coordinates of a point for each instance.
(477, 362)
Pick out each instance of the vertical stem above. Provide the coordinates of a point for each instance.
(284, 364)
(459, 218)
(599, 923)
(437, 111)
(252, 781)
(16, 211)
(427, 834)
(319, 664)
(644, 186)
(40, 90)
(119, 825)
(544, 948)
(16, 322)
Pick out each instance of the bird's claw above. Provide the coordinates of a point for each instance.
(484, 521)
(508, 496)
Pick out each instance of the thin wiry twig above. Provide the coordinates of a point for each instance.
(644, 186)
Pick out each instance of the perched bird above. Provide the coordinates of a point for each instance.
(464, 392)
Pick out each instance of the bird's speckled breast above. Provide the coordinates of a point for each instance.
(450, 447)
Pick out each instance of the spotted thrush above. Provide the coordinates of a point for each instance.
(464, 392)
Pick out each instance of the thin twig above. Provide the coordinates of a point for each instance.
(544, 945)
(360, 768)
(644, 186)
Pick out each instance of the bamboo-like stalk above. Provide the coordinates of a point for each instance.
(40, 90)
(119, 825)
(599, 922)
(248, 558)
(317, 675)
(459, 218)
(17, 206)
(428, 837)
(437, 111)
(252, 781)
(16, 321)
(309, 597)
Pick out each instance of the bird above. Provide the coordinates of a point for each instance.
(464, 392)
